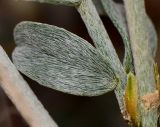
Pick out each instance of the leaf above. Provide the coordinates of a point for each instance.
(58, 2)
(143, 59)
(152, 35)
(100, 38)
(116, 13)
(99, 7)
(140, 42)
(61, 60)
(156, 76)
(131, 98)
(103, 44)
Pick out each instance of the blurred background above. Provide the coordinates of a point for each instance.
(67, 110)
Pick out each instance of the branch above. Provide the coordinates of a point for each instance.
(21, 95)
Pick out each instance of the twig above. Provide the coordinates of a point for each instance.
(21, 95)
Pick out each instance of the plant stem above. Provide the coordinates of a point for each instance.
(58, 2)
(103, 43)
(21, 95)
(143, 61)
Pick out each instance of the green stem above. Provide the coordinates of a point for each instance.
(143, 61)
(103, 43)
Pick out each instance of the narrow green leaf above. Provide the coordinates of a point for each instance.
(103, 44)
(99, 7)
(143, 59)
(140, 40)
(152, 36)
(58, 2)
(61, 60)
(116, 13)
(131, 99)
(100, 37)
(156, 76)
